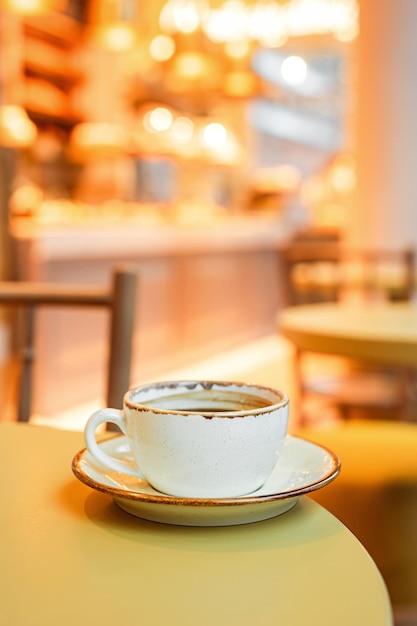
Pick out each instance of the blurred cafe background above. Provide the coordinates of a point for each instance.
(201, 143)
(188, 139)
(194, 142)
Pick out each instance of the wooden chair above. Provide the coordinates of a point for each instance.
(119, 299)
(365, 275)
(322, 269)
(309, 270)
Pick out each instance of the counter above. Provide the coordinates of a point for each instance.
(202, 289)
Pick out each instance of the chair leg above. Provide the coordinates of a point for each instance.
(344, 411)
(407, 375)
(28, 356)
(121, 334)
(298, 384)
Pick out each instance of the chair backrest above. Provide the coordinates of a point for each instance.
(323, 270)
(309, 271)
(377, 274)
(119, 299)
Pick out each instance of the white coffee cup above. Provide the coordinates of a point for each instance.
(197, 439)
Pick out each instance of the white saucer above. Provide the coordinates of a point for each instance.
(303, 467)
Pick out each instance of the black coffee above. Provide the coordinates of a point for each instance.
(210, 401)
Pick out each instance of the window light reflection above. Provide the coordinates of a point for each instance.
(294, 70)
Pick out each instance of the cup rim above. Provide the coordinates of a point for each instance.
(188, 383)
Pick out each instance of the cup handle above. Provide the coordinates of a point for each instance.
(103, 416)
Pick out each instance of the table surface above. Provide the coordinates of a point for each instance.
(69, 555)
(379, 331)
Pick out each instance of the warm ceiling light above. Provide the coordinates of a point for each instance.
(114, 24)
(214, 135)
(294, 70)
(25, 200)
(230, 22)
(161, 119)
(158, 120)
(33, 7)
(187, 21)
(191, 64)
(237, 49)
(343, 174)
(16, 129)
(240, 84)
(191, 68)
(102, 140)
(116, 36)
(220, 146)
(183, 16)
(270, 22)
(182, 130)
(162, 48)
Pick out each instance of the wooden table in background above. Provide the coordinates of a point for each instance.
(382, 332)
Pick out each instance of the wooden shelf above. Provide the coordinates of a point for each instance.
(63, 81)
(50, 72)
(57, 28)
(41, 118)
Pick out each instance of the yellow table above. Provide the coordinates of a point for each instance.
(381, 332)
(70, 556)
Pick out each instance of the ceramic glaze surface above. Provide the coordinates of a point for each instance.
(190, 456)
(199, 438)
(302, 467)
